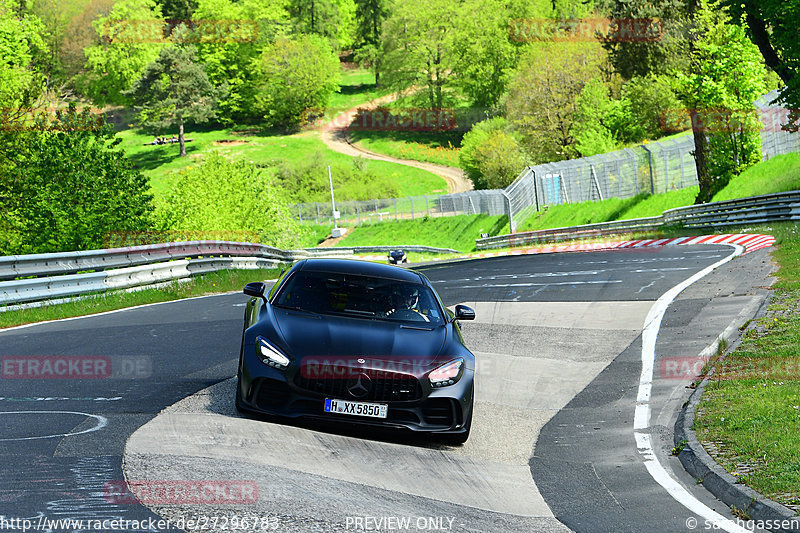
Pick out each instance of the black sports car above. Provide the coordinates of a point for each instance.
(397, 257)
(357, 342)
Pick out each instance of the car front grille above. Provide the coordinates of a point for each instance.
(382, 386)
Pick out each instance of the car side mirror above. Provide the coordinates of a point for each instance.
(464, 313)
(255, 289)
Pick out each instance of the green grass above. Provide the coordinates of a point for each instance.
(432, 147)
(212, 283)
(654, 205)
(313, 234)
(161, 164)
(781, 173)
(560, 216)
(357, 88)
(750, 410)
(458, 232)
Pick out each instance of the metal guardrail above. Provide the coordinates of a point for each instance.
(779, 207)
(57, 275)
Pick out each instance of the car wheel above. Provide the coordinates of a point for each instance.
(459, 438)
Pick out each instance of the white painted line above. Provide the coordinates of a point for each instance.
(547, 284)
(641, 418)
(101, 423)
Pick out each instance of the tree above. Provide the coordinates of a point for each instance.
(316, 17)
(370, 15)
(657, 54)
(726, 77)
(20, 44)
(173, 90)
(421, 51)
(772, 26)
(55, 16)
(132, 38)
(178, 9)
(300, 77)
(68, 185)
(78, 36)
(233, 60)
(542, 99)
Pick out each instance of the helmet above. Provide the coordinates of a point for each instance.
(406, 296)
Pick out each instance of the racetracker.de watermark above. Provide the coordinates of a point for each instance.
(724, 120)
(730, 368)
(619, 30)
(181, 492)
(347, 367)
(75, 367)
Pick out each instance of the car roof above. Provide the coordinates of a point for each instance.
(361, 268)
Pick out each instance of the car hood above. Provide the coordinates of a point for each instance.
(343, 338)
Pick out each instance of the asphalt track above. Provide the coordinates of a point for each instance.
(558, 338)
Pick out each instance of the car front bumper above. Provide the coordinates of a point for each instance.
(275, 392)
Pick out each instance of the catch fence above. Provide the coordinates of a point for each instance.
(653, 167)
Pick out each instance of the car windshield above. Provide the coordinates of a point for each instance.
(360, 297)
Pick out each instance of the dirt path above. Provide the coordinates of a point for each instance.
(335, 137)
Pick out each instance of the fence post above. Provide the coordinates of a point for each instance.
(300, 213)
(319, 220)
(411, 199)
(427, 206)
(395, 207)
(512, 224)
(596, 183)
(650, 164)
(358, 213)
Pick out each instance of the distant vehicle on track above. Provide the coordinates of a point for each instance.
(354, 342)
(397, 257)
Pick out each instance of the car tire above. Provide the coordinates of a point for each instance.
(239, 405)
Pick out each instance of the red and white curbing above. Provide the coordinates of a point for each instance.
(751, 242)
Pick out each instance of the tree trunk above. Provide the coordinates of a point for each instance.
(181, 139)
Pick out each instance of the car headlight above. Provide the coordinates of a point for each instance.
(447, 374)
(270, 355)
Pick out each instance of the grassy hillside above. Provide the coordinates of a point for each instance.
(161, 162)
(781, 173)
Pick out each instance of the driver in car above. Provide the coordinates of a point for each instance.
(404, 300)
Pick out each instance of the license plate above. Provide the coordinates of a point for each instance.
(344, 407)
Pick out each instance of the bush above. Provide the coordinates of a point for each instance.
(220, 196)
(64, 186)
(491, 156)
